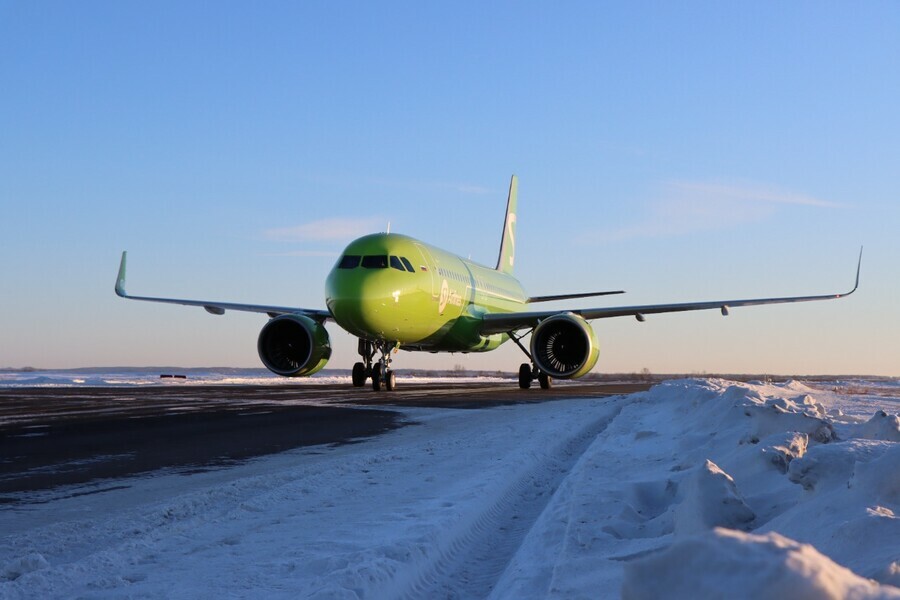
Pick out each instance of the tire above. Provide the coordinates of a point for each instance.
(359, 375)
(390, 380)
(545, 380)
(525, 376)
(376, 378)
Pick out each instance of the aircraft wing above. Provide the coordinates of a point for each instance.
(218, 308)
(507, 322)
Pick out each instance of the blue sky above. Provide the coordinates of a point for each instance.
(679, 151)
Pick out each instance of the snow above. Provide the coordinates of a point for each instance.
(745, 566)
(151, 377)
(696, 488)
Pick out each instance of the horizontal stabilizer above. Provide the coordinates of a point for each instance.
(571, 296)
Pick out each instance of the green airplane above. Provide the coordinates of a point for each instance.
(395, 292)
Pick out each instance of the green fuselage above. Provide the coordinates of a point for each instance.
(393, 288)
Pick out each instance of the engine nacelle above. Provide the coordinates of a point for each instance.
(564, 346)
(294, 345)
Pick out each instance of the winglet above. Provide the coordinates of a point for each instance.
(120, 280)
(856, 283)
(506, 260)
(858, 267)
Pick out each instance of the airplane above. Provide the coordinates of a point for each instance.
(395, 292)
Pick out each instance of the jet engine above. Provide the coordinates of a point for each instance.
(294, 345)
(564, 346)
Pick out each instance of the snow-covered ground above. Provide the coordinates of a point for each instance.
(152, 377)
(697, 488)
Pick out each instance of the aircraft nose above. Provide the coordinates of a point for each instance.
(358, 301)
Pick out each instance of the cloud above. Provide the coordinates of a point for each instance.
(326, 230)
(688, 207)
(749, 193)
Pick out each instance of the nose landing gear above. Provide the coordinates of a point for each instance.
(381, 373)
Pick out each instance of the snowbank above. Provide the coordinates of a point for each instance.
(691, 456)
(730, 564)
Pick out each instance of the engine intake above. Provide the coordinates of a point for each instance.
(294, 346)
(564, 346)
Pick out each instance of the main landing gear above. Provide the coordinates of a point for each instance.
(381, 373)
(528, 372)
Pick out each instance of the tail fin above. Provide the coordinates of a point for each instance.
(507, 258)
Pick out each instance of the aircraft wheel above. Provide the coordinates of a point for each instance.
(376, 378)
(359, 375)
(545, 380)
(525, 376)
(390, 380)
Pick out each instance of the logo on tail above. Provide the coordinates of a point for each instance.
(506, 260)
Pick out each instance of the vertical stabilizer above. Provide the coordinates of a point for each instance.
(506, 260)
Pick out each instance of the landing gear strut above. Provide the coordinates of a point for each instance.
(528, 372)
(381, 373)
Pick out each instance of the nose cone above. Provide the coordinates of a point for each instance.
(362, 301)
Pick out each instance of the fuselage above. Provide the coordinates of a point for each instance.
(393, 288)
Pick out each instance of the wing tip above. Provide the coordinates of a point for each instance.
(858, 269)
(120, 279)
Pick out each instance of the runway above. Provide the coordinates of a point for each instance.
(60, 436)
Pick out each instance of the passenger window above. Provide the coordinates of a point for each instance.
(349, 261)
(407, 264)
(396, 264)
(375, 262)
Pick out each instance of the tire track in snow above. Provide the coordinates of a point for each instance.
(470, 562)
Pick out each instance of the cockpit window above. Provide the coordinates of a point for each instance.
(396, 264)
(349, 261)
(375, 262)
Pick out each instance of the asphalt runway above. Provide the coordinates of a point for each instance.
(61, 436)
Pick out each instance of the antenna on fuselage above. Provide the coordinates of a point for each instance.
(389, 227)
